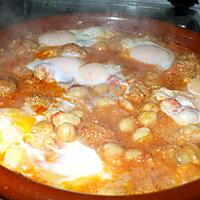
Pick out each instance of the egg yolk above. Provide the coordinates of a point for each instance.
(23, 120)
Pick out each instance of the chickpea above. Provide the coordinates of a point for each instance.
(61, 118)
(194, 86)
(186, 156)
(66, 132)
(101, 88)
(40, 72)
(113, 150)
(152, 79)
(190, 133)
(44, 127)
(182, 158)
(127, 105)
(78, 92)
(147, 118)
(78, 113)
(126, 124)
(191, 130)
(38, 141)
(140, 134)
(150, 107)
(50, 112)
(103, 101)
(58, 118)
(132, 154)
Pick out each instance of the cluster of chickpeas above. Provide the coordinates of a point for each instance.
(184, 155)
(138, 127)
(146, 118)
(98, 92)
(114, 152)
(129, 124)
(100, 98)
(61, 128)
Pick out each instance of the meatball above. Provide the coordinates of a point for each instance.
(138, 92)
(185, 68)
(189, 65)
(19, 47)
(73, 50)
(7, 88)
(40, 103)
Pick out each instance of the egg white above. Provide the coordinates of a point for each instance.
(62, 69)
(67, 70)
(75, 160)
(148, 52)
(56, 38)
(86, 37)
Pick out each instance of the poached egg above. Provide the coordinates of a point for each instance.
(148, 52)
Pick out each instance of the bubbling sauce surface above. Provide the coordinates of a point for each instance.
(111, 124)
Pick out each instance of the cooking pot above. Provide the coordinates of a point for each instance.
(16, 187)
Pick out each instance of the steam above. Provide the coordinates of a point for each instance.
(13, 12)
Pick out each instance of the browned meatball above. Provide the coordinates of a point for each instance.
(7, 88)
(69, 49)
(185, 68)
(40, 103)
(19, 47)
(138, 92)
(74, 49)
